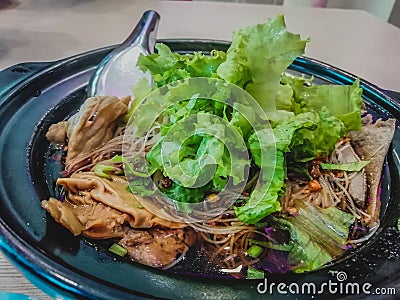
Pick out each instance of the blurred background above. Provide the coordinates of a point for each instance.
(387, 10)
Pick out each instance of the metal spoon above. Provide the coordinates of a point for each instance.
(117, 72)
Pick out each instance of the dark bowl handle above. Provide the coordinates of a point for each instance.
(12, 76)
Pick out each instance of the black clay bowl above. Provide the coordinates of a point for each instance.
(35, 95)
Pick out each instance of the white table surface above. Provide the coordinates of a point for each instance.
(45, 30)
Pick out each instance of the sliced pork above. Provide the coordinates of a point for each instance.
(158, 247)
(374, 140)
(91, 127)
(358, 184)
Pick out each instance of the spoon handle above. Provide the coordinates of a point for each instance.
(110, 78)
(144, 33)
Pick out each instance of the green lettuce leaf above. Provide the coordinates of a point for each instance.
(342, 101)
(355, 166)
(307, 120)
(317, 235)
(257, 58)
(264, 200)
(305, 254)
(187, 195)
(312, 142)
(166, 66)
(193, 150)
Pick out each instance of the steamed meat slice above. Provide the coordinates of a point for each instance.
(157, 247)
(86, 189)
(91, 127)
(113, 193)
(358, 184)
(57, 133)
(93, 220)
(374, 140)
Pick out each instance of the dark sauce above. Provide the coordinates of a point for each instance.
(54, 169)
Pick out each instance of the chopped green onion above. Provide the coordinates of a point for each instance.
(255, 251)
(106, 170)
(118, 250)
(103, 170)
(116, 159)
(129, 169)
(398, 224)
(355, 166)
(254, 273)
